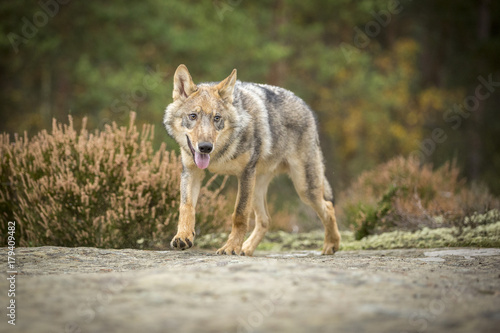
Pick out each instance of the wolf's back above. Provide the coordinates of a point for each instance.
(284, 121)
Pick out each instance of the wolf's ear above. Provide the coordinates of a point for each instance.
(183, 83)
(226, 87)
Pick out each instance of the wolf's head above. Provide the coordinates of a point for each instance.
(202, 117)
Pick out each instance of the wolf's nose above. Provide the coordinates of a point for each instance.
(205, 147)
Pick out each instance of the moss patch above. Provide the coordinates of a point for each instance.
(487, 235)
(481, 236)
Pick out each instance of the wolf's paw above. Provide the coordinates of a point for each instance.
(230, 248)
(330, 248)
(182, 241)
(247, 250)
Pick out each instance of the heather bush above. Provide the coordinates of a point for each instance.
(107, 188)
(404, 195)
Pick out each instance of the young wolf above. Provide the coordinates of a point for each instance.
(253, 131)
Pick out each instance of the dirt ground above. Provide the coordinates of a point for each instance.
(98, 290)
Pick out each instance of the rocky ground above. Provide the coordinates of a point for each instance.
(98, 290)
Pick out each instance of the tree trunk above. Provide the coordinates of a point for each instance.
(475, 129)
(45, 92)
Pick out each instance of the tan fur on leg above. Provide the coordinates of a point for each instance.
(332, 235)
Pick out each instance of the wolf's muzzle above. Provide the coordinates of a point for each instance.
(202, 155)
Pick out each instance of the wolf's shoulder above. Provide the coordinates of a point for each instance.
(266, 92)
(262, 88)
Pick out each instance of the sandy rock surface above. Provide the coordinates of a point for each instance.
(98, 290)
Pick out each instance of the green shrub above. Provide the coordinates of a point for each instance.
(107, 188)
(373, 218)
(403, 195)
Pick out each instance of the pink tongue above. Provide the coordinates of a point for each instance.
(201, 160)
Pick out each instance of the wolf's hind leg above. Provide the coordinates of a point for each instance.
(308, 178)
(261, 214)
(332, 235)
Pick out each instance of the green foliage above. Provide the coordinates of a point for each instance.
(372, 217)
(375, 100)
(105, 188)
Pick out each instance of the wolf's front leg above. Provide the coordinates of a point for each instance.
(246, 185)
(190, 189)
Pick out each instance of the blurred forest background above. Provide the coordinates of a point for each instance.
(386, 78)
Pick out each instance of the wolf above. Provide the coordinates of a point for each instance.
(254, 132)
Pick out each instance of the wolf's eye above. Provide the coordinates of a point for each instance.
(217, 118)
(193, 116)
